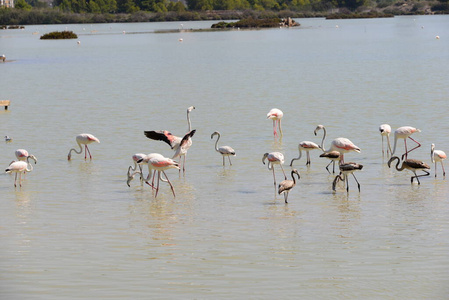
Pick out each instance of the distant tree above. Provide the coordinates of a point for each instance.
(177, 6)
(22, 4)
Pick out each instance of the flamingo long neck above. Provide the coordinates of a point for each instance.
(397, 165)
(388, 143)
(216, 142)
(29, 165)
(294, 179)
(432, 150)
(300, 154)
(322, 141)
(395, 143)
(188, 121)
(77, 152)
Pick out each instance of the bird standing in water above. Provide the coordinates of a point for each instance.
(385, 131)
(83, 139)
(405, 132)
(412, 165)
(437, 156)
(276, 115)
(286, 185)
(223, 150)
(345, 169)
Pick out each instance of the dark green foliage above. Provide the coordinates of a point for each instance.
(362, 15)
(58, 35)
(249, 23)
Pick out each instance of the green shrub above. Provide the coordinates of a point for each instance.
(57, 35)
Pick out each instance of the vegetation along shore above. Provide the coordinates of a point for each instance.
(30, 12)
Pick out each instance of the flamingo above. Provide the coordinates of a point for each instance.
(144, 160)
(332, 155)
(405, 132)
(343, 145)
(306, 146)
(345, 169)
(22, 155)
(437, 156)
(184, 146)
(412, 165)
(223, 150)
(136, 157)
(172, 140)
(160, 164)
(19, 167)
(274, 158)
(276, 115)
(385, 131)
(85, 139)
(286, 185)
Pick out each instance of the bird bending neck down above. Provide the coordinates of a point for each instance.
(412, 165)
(345, 169)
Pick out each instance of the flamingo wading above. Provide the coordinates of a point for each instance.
(274, 158)
(345, 169)
(412, 165)
(19, 167)
(276, 115)
(306, 146)
(223, 150)
(405, 132)
(385, 131)
(286, 185)
(83, 139)
(437, 156)
(174, 141)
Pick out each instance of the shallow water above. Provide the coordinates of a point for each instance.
(76, 230)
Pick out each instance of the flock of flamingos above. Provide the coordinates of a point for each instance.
(157, 163)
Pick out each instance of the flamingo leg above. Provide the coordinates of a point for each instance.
(286, 197)
(171, 186)
(158, 178)
(382, 145)
(285, 176)
(223, 161)
(85, 152)
(15, 180)
(406, 151)
(327, 167)
(230, 163)
(274, 177)
(442, 166)
(347, 183)
(358, 184)
(308, 158)
(274, 128)
(280, 128)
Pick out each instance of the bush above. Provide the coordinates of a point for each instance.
(57, 35)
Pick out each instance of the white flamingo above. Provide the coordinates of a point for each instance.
(437, 156)
(305, 146)
(385, 131)
(274, 158)
(405, 132)
(83, 139)
(276, 115)
(19, 167)
(223, 150)
(174, 141)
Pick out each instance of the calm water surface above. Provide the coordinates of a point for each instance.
(75, 230)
